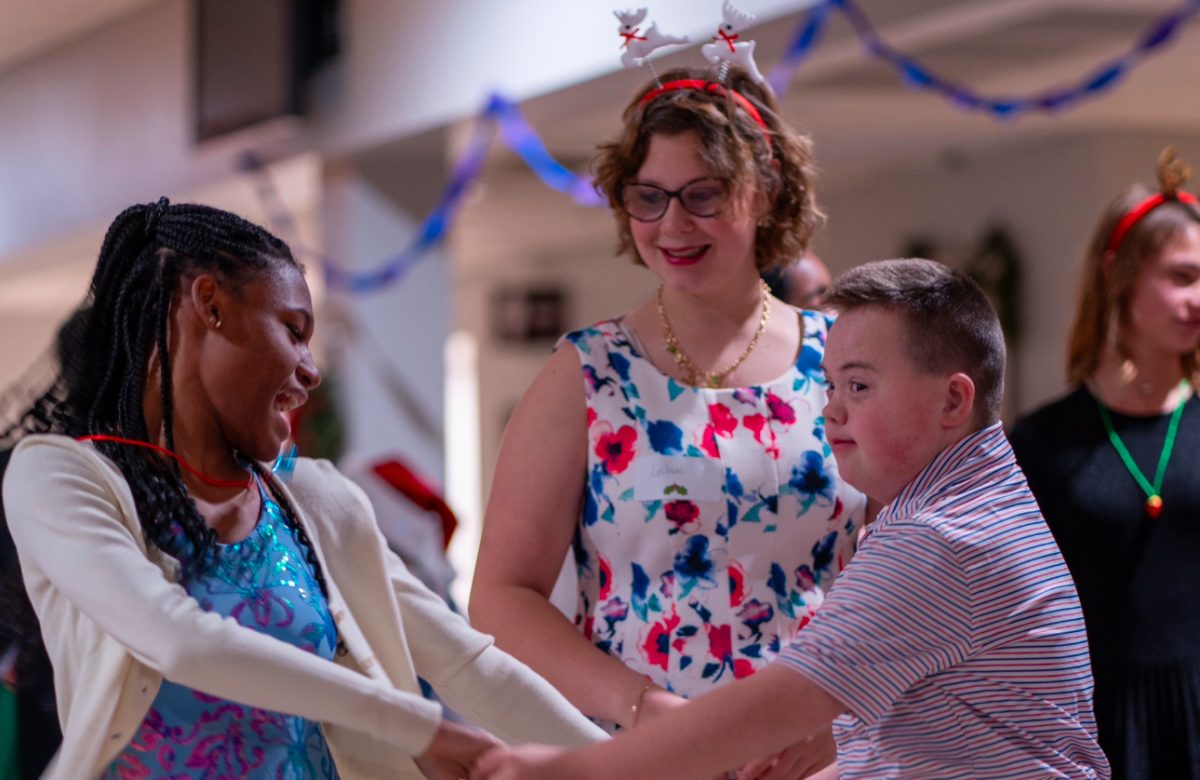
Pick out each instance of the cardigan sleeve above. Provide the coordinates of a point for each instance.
(75, 542)
(480, 681)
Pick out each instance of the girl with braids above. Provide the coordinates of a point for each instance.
(1113, 466)
(203, 618)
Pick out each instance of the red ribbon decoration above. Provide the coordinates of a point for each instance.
(729, 39)
(633, 36)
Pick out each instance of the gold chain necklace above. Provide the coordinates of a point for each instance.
(692, 373)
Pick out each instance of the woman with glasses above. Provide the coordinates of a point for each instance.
(678, 449)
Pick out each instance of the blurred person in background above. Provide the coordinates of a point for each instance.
(801, 284)
(1113, 465)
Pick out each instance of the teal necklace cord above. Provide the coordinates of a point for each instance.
(1154, 502)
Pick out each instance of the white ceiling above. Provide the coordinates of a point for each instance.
(845, 99)
(32, 26)
(850, 102)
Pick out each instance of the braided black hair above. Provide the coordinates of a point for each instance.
(105, 352)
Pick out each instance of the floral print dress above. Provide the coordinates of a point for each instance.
(266, 583)
(713, 520)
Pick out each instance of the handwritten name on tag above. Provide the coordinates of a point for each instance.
(666, 477)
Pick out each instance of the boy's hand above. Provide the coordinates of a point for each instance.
(524, 762)
(797, 761)
(454, 751)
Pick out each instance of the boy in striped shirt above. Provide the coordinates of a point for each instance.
(953, 645)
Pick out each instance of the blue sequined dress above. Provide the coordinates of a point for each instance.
(266, 583)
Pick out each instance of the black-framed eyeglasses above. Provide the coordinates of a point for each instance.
(700, 198)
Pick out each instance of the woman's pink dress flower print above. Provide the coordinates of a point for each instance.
(615, 450)
(737, 584)
(754, 614)
(684, 515)
(666, 584)
(805, 580)
(614, 612)
(757, 424)
(806, 617)
(656, 649)
(781, 410)
(720, 649)
(723, 421)
(696, 601)
(605, 578)
(720, 642)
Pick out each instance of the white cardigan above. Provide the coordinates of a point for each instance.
(116, 623)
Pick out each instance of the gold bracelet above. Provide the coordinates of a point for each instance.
(636, 708)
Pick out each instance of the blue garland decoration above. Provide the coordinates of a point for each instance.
(504, 115)
(523, 139)
(1158, 34)
(465, 171)
(807, 35)
(517, 134)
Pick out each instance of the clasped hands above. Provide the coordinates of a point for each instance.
(461, 753)
(540, 762)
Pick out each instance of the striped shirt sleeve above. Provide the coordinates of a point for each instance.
(899, 613)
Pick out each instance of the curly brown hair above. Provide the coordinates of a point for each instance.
(776, 163)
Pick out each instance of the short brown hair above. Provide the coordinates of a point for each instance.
(951, 326)
(1107, 283)
(776, 162)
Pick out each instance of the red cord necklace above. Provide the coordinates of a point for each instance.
(200, 475)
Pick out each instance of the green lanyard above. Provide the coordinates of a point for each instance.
(1153, 492)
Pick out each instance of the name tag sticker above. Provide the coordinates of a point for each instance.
(667, 478)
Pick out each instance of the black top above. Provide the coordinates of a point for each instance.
(1138, 578)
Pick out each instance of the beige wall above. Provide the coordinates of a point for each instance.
(1047, 194)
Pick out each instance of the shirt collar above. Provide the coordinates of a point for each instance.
(957, 462)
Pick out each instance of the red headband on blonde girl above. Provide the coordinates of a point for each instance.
(1172, 173)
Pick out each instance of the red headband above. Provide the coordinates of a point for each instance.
(710, 86)
(1135, 214)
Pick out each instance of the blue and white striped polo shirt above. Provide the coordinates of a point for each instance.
(955, 637)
